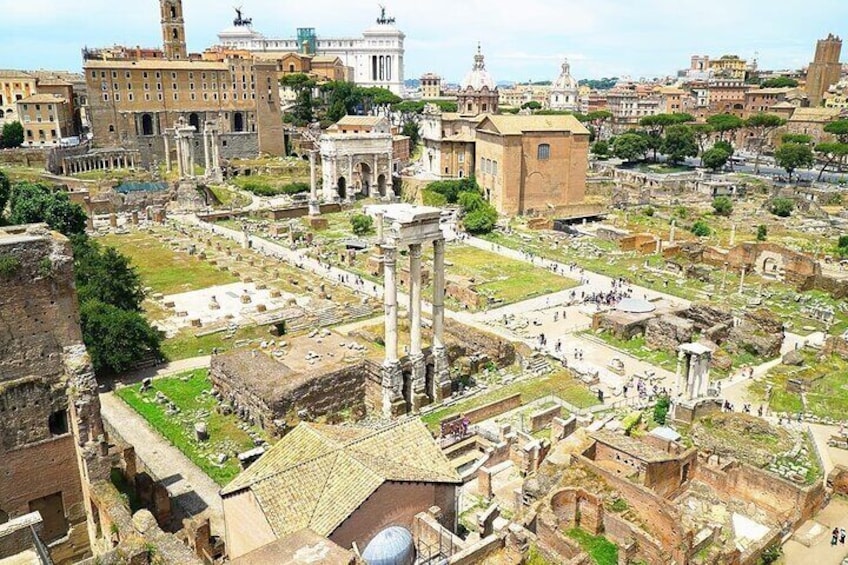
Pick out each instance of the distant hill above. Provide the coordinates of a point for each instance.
(599, 84)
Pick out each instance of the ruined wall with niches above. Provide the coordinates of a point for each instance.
(38, 303)
(501, 351)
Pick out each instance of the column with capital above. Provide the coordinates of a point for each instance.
(190, 144)
(441, 369)
(416, 356)
(179, 148)
(207, 165)
(392, 374)
(682, 374)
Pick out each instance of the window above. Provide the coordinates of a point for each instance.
(494, 168)
(543, 153)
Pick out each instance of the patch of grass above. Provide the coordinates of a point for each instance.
(504, 280)
(165, 270)
(560, 384)
(185, 345)
(189, 392)
(637, 348)
(826, 382)
(600, 549)
(230, 198)
(535, 557)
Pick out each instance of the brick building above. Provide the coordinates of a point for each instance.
(825, 70)
(51, 429)
(133, 102)
(528, 164)
(343, 483)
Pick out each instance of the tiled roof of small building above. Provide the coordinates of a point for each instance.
(317, 476)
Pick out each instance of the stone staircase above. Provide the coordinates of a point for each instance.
(538, 365)
(330, 316)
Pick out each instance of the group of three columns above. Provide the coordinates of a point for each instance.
(401, 395)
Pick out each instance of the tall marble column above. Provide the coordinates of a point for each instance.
(167, 153)
(180, 161)
(682, 374)
(314, 208)
(392, 377)
(375, 188)
(207, 165)
(416, 356)
(190, 144)
(441, 370)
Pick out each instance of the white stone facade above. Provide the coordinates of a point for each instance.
(565, 93)
(356, 164)
(376, 57)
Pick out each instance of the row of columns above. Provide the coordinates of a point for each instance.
(184, 136)
(85, 163)
(397, 397)
(211, 152)
(693, 373)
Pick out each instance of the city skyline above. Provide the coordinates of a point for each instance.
(601, 38)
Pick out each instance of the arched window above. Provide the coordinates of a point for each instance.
(543, 153)
(176, 34)
(146, 124)
(291, 67)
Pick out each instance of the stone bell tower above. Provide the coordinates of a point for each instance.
(173, 30)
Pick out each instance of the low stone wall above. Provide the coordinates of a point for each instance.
(543, 418)
(490, 410)
(16, 535)
(23, 157)
(499, 350)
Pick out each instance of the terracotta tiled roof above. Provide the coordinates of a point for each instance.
(516, 125)
(317, 476)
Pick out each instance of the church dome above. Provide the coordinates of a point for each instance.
(565, 81)
(479, 76)
(392, 546)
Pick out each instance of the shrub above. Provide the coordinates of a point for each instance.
(701, 229)
(762, 233)
(9, 265)
(601, 149)
(723, 206)
(782, 207)
(649, 211)
(481, 221)
(431, 198)
(361, 224)
(295, 188)
(661, 410)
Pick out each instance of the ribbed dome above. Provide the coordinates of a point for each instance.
(565, 81)
(392, 546)
(479, 76)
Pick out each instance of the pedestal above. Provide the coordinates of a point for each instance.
(394, 404)
(441, 375)
(314, 208)
(419, 396)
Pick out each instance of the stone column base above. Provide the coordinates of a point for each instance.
(314, 208)
(394, 404)
(441, 374)
(418, 379)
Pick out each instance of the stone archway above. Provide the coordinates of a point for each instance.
(363, 179)
(194, 120)
(146, 124)
(238, 122)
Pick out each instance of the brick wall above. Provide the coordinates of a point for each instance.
(489, 410)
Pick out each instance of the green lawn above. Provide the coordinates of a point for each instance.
(165, 270)
(637, 348)
(187, 392)
(600, 549)
(560, 384)
(505, 280)
(826, 383)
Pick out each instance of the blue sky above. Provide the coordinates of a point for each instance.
(522, 39)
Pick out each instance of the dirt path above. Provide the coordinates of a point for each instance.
(190, 488)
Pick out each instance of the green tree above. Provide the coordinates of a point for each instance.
(724, 123)
(532, 105)
(33, 202)
(702, 133)
(830, 152)
(601, 149)
(451, 189)
(5, 191)
(410, 129)
(723, 206)
(481, 221)
(630, 147)
(838, 128)
(793, 156)
(116, 339)
(105, 275)
(679, 142)
(779, 82)
(598, 118)
(801, 138)
(761, 125)
(361, 224)
(701, 229)
(715, 158)
(762, 232)
(661, 410)
(842, 246)
(656, 125)
(782, 207)
(12, 135)
(725, 146)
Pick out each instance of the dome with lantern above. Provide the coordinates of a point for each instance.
(479, 76)
(565, 90)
